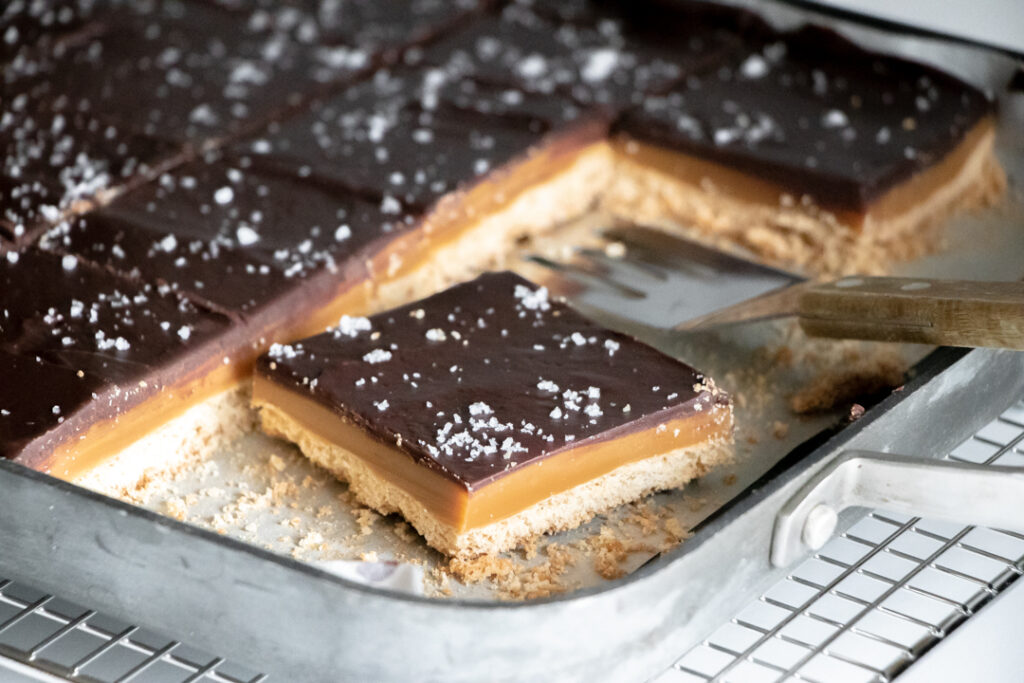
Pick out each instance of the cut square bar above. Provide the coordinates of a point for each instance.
(488, 414)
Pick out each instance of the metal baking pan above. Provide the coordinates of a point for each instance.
(297, 622)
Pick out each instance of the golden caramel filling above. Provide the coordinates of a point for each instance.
(456, 214)
(453, 503)
(459, 211)
(106, 438)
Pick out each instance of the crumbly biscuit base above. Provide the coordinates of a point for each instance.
(562, 511)
(487, 243)
(191, 437)
(798, 234)
(200, 430)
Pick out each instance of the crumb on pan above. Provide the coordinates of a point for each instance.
(834, 388)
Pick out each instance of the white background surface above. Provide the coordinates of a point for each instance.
(995, 22)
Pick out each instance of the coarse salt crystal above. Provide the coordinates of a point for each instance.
(377, 356)
(350, 326)
(754, 66)
(247, 235)
(224, 195)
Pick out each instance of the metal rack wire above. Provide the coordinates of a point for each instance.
(872, 601)
(863, 608)
(72, 642)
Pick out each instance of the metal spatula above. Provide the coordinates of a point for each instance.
(675, 282)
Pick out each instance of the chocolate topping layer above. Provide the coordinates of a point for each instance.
(229, 237)
(36, 397)
(65, 317)
(148, 79)
(815, 113)
(412, 135)
(488, 376)
(205, 257)
(607, 54)
(54, 160)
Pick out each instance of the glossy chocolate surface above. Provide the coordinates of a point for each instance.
(229, 237)
(184, 179)
(53, 160)
(147, 79)
(71, 320)
(816, 114)
(488, 376)
(601, 53)
(412, 135)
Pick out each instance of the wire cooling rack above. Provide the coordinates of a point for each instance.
(861, 609)
(873, 600)
(58, 637)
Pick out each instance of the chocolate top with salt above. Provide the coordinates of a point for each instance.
(229, 237)
(412, 135)
(815, 113)
(101, 97)
(70, 320)
(610, 54)
(488, 376)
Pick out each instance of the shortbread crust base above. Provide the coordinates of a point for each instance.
(477, 246)
(565, 510)
(794, 233)
(191, 437)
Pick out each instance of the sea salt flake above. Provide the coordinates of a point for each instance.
(480, 408)
(377, 356)
(350, 326)
(835, 118)
(600, 65)
(224, 196)
(532, 66)
(390, 205)
(169, 243)
(247, 236)
(381, 405)
(283, 351)
(532, 299)
(754, 66)
(435, 334)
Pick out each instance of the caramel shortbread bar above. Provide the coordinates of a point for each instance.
(489, 414)
(810, 150)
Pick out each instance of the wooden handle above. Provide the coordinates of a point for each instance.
(941, 312)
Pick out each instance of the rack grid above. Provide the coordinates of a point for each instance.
(874, 599)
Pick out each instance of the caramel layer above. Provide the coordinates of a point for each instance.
(521, 488)
(458, 212)
(105, 438)
(892, 206)
(448, 223)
